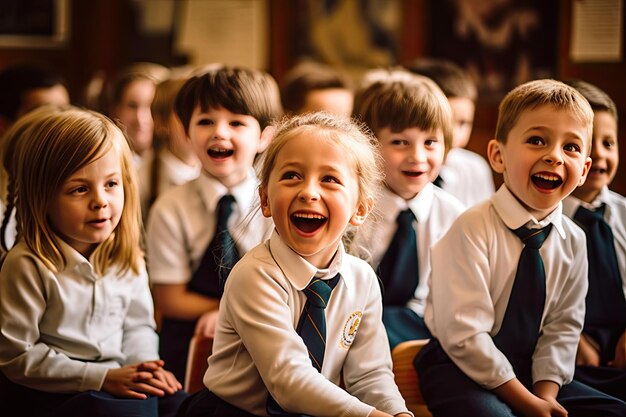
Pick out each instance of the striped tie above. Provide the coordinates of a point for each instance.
(312, 328)
(312, 324)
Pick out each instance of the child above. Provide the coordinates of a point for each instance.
(128, 100)
(504, 345)
(411, 119)
(312, 86)
(464, 174)
(25, 87)
(76, 318)
(601, 356)
(319, 177)
(174, 161)
(226, 114)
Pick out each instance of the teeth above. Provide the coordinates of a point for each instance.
(309, 216)
(548, 177)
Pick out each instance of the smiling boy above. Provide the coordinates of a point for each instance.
(412, 121)
(505, 311)
(226, 114)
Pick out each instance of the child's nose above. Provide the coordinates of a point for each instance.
(220, 131)
(309, 192)
(416, 154)
(554, 156)
(99, 201)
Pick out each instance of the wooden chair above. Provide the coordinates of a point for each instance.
(197, 362)
(406, 377)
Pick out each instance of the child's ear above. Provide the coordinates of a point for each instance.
(266, 137)
(361, 212)
(494, 153)
(265, 203)
(586, 169)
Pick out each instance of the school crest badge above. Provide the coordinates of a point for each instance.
(350, 329)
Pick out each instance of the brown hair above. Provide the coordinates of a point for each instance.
(537, 93)
(402, 100)
(306, 77)
(238, 90)
(597, 98)
(453, 80)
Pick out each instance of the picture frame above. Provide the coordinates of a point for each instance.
(34, 23)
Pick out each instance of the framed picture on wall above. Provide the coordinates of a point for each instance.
(501, 43)
(34, 23)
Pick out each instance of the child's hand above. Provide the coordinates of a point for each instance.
(620, 353)
(130, 382)
(540, 407)
(163, 379)
(206, 324)
(587, 355)
(547, 391)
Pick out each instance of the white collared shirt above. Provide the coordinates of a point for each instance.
(467, 176)
(257, 349)
(473, 270)
(172, 172)
(614, 215)
(434, 209)
(61, 332)
(182, 223)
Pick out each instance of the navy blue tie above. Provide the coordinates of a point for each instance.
(312, 328)
(398, 269)
(521, 324)
(220, 256)
(605, 317)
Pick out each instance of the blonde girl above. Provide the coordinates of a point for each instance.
(76, 316)
(319, 176)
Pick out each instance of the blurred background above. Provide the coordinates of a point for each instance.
(500, 42)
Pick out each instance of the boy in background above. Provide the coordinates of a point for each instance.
(411, 118)
(464, 174)
(600, 212)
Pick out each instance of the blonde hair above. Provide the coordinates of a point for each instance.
(51, 150)
(359, 145)
(402, 100)
(537, 93)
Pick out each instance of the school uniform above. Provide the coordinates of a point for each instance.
(172, 172)
(434, 210)
(181, 225)
(257, 351)
(604, 327)
(467, 176)
(473, 271)
(61, 332)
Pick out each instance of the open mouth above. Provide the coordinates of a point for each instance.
(412, 174)
(546, 181)
(308, 222)
(219, 153)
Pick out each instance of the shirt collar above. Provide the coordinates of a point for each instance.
(298, 270)
(390, 204)
(571, 203)
(211, 190)
(514, 215)
(76, 261)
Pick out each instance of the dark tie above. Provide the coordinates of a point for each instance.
(312, 328)
(521, 324)
(605, 317)
(219, 257)
(398, 270)
(438, 181)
